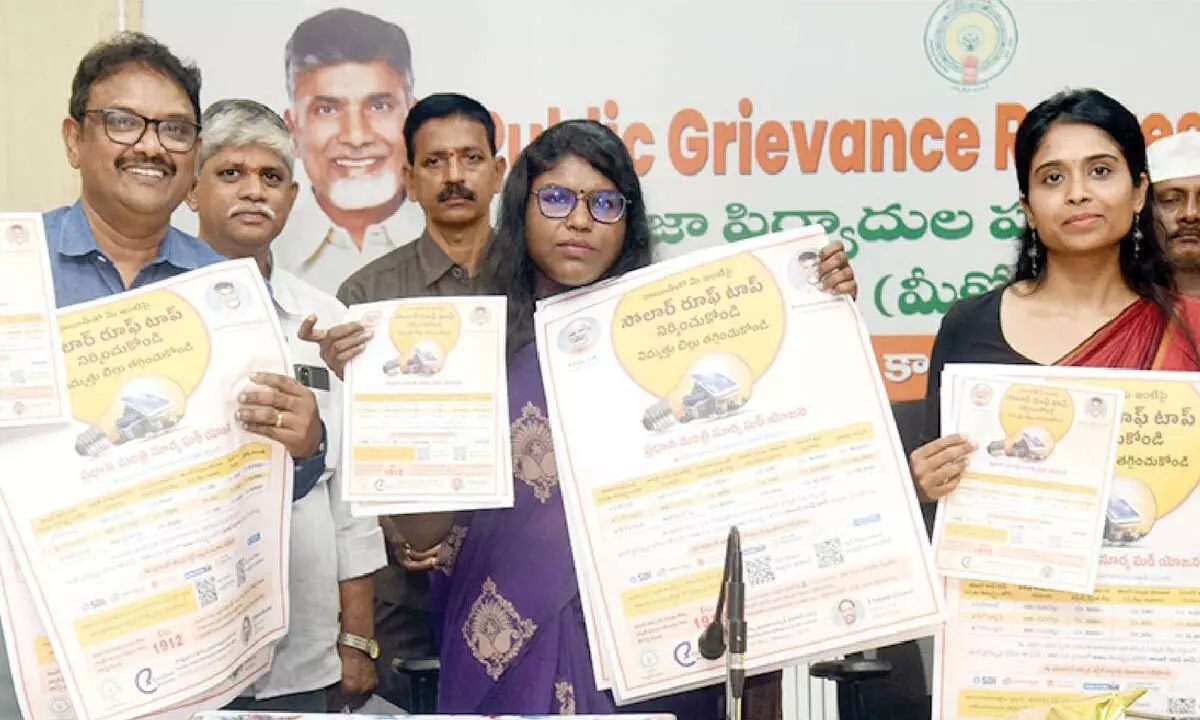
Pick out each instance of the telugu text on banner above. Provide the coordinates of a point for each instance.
(158, 562)
(731, 391)
(1006, 647)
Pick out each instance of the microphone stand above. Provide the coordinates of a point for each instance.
(731, 617)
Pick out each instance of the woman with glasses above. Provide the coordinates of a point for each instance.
(513, 638)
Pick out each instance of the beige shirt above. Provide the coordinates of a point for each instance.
(328, 544)
(324, 255)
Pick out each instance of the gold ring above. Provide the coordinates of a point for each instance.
(278, 418)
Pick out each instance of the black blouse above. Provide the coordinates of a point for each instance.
(970, 333)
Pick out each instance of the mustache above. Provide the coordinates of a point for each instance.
(153, 161)
(455, 190)
(252, 207)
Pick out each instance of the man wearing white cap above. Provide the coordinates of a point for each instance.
(1175, 174)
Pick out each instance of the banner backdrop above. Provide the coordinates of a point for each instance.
(889, 122)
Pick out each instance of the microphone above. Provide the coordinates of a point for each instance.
(736, 613)
(712, 641)
(731, 611)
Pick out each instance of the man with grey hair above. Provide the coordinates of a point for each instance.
(243, 194)
(350, 86)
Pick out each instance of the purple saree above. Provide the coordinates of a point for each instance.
(512, 635)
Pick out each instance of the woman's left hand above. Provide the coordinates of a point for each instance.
(837, 276)
(421, 560)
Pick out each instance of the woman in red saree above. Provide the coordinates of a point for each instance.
(1092, 286)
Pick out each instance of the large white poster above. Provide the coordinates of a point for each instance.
(890, 122)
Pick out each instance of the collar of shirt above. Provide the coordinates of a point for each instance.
(435, 263)
(388, 234)
(282, 292)
(77, 240)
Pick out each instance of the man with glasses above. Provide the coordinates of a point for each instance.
(132, 133)
(453, 173)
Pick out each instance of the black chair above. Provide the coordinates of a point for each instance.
(852, 672)
(408, 665)
(849, 673)
(418, 681)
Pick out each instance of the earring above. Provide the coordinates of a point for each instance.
(1033, 251)
(1137, 235)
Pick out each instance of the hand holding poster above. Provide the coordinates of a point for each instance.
(735, 392)
(1031, 505)
(1007, 647)
(158, 563)
(426, 426)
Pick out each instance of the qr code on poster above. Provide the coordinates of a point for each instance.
(206, 591)
(759, 570)
(460, 453)
(1181, 706)
(239, 569)
(829, 553)
(423, 453)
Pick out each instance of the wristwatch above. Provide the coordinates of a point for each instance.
(366, 645)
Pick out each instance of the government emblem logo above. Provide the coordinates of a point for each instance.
(971, 42)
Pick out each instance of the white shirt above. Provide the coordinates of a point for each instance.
(323, 255)
(328, 544)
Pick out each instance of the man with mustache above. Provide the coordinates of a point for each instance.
(350, 85)
(243, 194)
(1175, 173)
(133, 132)
(453, 173)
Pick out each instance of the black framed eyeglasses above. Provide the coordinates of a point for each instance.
(125, 127)
(557, 202)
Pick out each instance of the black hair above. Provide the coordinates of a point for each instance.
(1146, 268)
(444, 105)
(507, 266)
(131, 48)
(341, 36)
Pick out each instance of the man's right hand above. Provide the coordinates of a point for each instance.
(938, 466)
(339, 344)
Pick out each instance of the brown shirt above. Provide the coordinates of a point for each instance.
(419, 269)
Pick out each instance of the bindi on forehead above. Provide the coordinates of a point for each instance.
(449, 135)
(1072, 144)
(576, 174)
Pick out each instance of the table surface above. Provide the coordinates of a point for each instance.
(314, 716)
